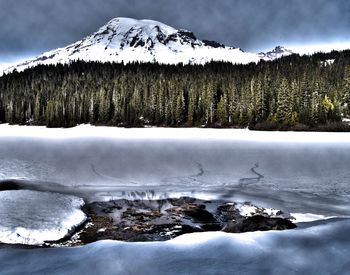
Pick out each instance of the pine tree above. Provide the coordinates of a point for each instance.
(346, 91)
(284, 103)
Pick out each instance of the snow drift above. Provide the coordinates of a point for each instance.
(31, 217)
(323, 249)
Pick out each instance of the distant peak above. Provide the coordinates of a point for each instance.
(280, 49)
(275, 53)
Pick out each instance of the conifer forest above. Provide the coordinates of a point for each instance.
(294, 92)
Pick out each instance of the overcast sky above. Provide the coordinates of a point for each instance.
(30, 27)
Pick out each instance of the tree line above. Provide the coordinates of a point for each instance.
(294, 92)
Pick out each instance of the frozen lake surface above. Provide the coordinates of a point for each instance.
(305, 173)
(98, 163)
(32, 217)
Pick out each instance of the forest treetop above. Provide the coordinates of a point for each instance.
(294, 92)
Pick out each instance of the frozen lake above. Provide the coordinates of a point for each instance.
(295, 172)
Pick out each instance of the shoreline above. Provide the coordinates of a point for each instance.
(147, 220)
(171, 134)
(142, 220)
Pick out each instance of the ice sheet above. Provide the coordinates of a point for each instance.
(31, 217)
(284, 170)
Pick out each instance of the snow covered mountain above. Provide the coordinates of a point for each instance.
(276, 53)
(128, 40)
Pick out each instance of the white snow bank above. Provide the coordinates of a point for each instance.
(31, 217)
(154, 133)
(346, 120)
(309, 217)
(248, 210)
(321, 249)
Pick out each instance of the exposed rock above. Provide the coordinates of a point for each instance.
(160, 220)
(213, 44)
(187, 35)
(258, 223)
(146, 220)
(228, 212)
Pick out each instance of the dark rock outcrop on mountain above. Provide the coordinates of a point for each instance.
(213, 44)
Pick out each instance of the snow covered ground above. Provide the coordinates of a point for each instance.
(309, 217)
(177, 134)
(322, 249)
(248, 210)
(31, 217)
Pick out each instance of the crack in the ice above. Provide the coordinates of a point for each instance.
(200, 172)
(93, 169)
(243, 182)
(185, 179)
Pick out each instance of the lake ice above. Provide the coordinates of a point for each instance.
(297, 175)
(31, 217)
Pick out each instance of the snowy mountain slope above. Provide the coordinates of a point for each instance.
(129, 40)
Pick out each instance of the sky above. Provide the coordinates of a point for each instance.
(30, 27)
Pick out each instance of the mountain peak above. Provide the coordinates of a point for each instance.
(131, 40)
(281, 49)
(275, 53)
(126, 21)
(124, 32)
(128, 25)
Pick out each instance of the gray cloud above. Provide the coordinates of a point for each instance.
(32, 26)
